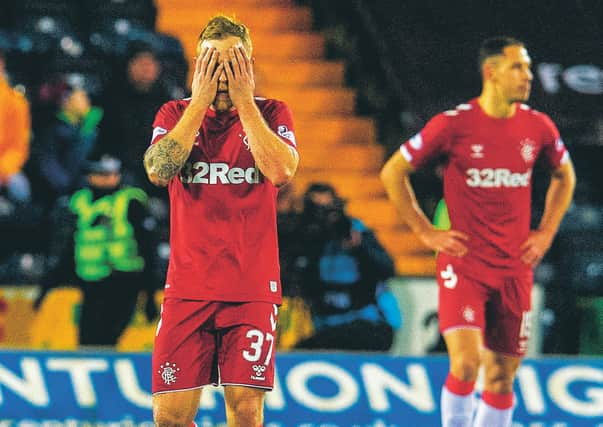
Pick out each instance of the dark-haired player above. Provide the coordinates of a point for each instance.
(485, 261)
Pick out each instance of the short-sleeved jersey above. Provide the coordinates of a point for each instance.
(488, 178)
(223, 237)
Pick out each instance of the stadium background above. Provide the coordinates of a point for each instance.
(360, 77)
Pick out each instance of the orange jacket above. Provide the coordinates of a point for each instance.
(15, 130)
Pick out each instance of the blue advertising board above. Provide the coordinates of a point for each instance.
(43, 389)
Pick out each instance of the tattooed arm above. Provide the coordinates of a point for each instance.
(164, 159)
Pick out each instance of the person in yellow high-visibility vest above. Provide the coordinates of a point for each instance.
(103, 241)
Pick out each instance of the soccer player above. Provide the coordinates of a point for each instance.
(485, 261)
(223, 154)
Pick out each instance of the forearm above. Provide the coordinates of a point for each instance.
(400, 192)
(164, 159)
(558, 198)
(276, 160)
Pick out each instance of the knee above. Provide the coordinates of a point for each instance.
(246, 412)
(166, 419)
(465, 367)
(499, 380)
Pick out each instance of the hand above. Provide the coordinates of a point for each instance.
(450, 242)
(354, 241)
(239, 71)
(205, 79)
(534, 248)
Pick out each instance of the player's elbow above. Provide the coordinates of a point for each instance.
(284, 173)
(566, 174)
(155, 180)
(282, 177)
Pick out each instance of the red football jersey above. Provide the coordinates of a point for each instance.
(488, 178)
(223, 241)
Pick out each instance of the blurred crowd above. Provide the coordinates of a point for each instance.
(76, 107)
(80, 83)
(53, 131)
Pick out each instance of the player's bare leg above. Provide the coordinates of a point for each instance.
(244, 406)
(495, 408)
(176, 409)
(464, 351)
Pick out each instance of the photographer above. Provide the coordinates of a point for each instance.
(343, 268)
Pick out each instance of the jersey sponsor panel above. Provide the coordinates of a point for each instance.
(497, 177)
(218, 173)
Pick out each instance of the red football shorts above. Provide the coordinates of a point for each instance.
(500, 308)
(202, 342)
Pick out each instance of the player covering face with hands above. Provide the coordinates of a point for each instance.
(223, 74)
(222, 153)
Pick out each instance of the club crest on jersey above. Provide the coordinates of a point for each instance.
(469, 314)
(477, 151)
(168, 373)
(527, 150)
(258, 371)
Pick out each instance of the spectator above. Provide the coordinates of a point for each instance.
(103, 240)
(65, 144)
(131, 104)
(344, 268)
(15, 131)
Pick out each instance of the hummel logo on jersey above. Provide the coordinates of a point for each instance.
(496, 178)
(477, 151)
(449, 276)
(259, 372)
(218, 173)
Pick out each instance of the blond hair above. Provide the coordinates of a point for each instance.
(221, 26)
